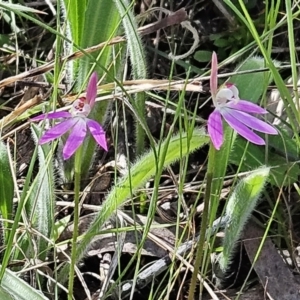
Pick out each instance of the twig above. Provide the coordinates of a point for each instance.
(162, 264)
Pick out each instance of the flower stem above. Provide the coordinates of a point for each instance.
(204, 221)
(78, 156)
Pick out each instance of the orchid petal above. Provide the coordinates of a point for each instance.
(252, 122)
(75, 138)
(247, 107)
(214, 75)
(53, 115)
(242, 129)
(57, 131)
(215, 128)
(91, 91)
(98, 133)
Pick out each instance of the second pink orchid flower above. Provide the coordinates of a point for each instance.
(237, 113)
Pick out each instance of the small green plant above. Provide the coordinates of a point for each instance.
(239, 209)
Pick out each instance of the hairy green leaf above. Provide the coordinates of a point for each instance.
(18, 289)
(6, 5)
(40, 202)
(239, 208)
(75, 14)
(138, 63)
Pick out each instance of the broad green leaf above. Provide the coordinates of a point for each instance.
(251, 86)
(17, 288)
(75, 14)
(5, 295)
(203, 56)
(4, 39)
(6, 186)
(101, 24)
(222, 42)
(239, 208)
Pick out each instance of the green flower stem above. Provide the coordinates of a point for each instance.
(78, 156)
(205, 219)
(140, 132)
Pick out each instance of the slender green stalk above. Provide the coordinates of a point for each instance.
(293, 52)
(204, 222)
(78, 156)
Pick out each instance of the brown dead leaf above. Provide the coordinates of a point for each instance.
(275, 276)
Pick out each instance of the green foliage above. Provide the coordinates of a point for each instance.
(96, 30)
(146, 166)
(4, 39)
(37, 201)
(239, 208)
(217, 166)
(252, 85)
(91, 30)
(203, 56)
(135, 46)
(59, 227)
(40, 203)
(248, 3)
(75, 13)
(4, 294)
(231, 41)
(7, 6)
(249, 156)
(282, 158)
(292, 110)
(6, 186)
(139, 67)
(12, 287)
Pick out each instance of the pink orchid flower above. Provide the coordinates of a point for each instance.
(76, 122)
(236, 112)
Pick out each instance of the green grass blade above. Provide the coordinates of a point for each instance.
(291, 110)
(6, 186)
(134, 42)
(10, 7)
